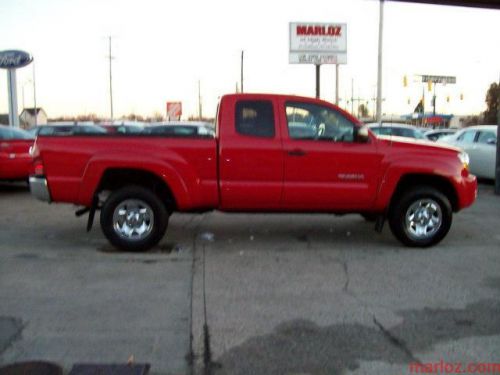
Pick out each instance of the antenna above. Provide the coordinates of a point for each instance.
(241, 82)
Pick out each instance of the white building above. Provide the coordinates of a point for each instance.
(27, 117)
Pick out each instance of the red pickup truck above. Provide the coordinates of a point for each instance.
(270, 153)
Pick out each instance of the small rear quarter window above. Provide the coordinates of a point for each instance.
(255, 118)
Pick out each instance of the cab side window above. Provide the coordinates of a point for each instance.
(312, 121)
(255, 118)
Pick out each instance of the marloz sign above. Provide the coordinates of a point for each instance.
(318, 43)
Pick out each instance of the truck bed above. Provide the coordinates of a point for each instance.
(74, 164)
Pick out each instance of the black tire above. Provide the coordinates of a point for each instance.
(155, 219)
(439, 208)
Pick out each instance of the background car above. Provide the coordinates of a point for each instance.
(435, 134)
(15, 159)
(67, 128)
(480, 143)
(124, 127)
(181, 129)
(396, 129)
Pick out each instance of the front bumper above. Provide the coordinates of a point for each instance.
(467, 191)
(39, 188)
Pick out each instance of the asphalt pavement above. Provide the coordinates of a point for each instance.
(68, 297)
(248, 293)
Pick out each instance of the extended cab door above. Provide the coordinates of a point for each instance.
(250, 154)
(325, 168)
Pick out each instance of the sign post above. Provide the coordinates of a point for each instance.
(12, 87)
(11, 60)
(318, 80)
(317, 44)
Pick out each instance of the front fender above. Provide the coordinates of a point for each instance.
(426, 166)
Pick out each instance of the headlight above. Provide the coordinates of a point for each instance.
(464, 159)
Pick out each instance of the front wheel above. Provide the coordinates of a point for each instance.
(134, 219)
(421, 217)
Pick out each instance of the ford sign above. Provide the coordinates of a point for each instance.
(14, 59)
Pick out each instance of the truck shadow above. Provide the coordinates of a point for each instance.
(284, 232)
(162, 248)
(14, 187)
(301, 346)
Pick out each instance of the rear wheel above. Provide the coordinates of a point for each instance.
(134, 219)
(421, 217)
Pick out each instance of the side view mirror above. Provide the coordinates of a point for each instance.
(362, 134)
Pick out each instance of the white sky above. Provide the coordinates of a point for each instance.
(162, 48)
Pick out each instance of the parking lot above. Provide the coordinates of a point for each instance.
(279, 294)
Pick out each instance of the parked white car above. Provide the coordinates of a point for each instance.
(480, 143)
(396, 129)
(435, 134)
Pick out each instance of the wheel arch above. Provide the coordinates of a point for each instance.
(115, 178)
(440, 183)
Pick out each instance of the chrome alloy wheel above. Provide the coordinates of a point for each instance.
(133, 219)
(423, 219)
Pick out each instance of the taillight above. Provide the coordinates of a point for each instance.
(38, 169)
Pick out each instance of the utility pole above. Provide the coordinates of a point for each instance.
(200, 114)
(241, 81)
(379, 71)
(434, 100)
(352, 96)
(34, 94)
(318, 80)
(355, 100)
(110, 79)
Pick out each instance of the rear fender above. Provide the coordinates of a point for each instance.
(177, 182)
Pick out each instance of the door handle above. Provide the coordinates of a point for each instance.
(297, 152)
